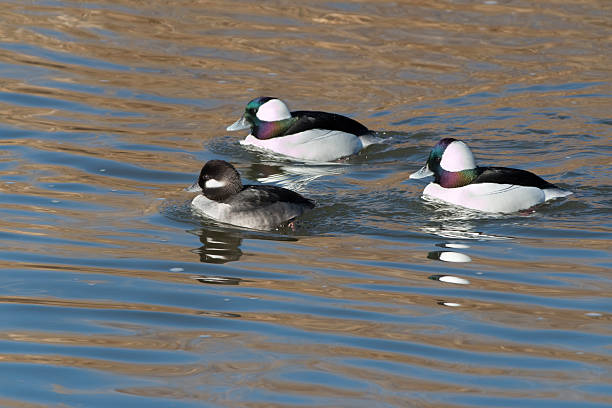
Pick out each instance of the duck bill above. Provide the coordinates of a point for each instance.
(194, 188)
(240, 124)
(424, 172)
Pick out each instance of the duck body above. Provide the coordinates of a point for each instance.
(457, 180)
(225, 199)
(304, 135)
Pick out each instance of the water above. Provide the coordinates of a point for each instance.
(114, 294)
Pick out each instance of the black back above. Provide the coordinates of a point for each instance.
(262, 195)
(505, 175)
(308, 120)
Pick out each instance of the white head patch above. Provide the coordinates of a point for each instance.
(212, 183)
(273, 110)
(457, 156)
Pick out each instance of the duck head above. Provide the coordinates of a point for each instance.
(218, 181)
(261, 109)
(447, 156)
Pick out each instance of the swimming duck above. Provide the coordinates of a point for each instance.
(457, 180)
(305, 135)
(225, 199)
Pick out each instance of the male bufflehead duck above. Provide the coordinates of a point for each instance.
(457, 180)
(305, 135)
(225, 199)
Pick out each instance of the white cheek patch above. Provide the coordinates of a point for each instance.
(212, 183)
(273, 110)
(457, 157)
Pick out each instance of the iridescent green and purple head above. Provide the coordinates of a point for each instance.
(266, 117)
(451, 162)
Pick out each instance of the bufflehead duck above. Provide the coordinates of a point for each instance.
(457, 180)
(225, 199)
(305, 135)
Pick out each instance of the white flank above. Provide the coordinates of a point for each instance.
(212, 183)
(488, 197)
(273, 110)
(318, 145)
(457, 157)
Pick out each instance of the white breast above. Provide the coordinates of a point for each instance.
(315, 145)
(488, 197)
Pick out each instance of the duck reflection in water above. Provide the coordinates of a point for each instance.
(219, 246)
(454, 222)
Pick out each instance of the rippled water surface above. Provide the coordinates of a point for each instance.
(114, 294)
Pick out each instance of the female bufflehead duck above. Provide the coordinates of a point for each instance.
(306, 135)
(225, 199)
(457, 180)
